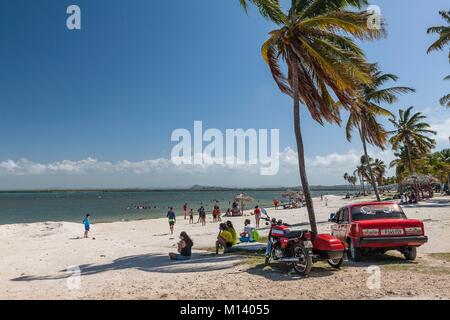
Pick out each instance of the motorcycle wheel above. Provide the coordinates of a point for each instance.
(267, 261)
(336, 263)
(304, 264)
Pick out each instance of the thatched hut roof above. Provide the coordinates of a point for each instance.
(292, 195)
(242, 198)
(420, 179)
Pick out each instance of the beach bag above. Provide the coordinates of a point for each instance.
(255, 235)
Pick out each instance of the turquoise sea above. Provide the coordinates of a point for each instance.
(108, 206)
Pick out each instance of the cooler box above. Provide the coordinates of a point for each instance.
(328, 247)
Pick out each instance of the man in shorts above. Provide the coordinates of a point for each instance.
(172, 219)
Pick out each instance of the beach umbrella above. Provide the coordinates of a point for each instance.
(292, 195)
(420, 179)
(243, 198)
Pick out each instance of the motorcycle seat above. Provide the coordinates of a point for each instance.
(295, 234)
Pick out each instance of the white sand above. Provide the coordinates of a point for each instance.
(128, 260)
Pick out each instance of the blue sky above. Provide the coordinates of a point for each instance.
(137, 70)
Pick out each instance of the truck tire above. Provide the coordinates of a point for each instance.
(354, 252)
(410, 254)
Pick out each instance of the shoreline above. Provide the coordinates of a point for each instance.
(104, 212)
(129, 260)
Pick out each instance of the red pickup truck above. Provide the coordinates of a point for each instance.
(377, 227)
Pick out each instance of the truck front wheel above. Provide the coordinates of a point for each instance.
(410, 254)
(354, 252)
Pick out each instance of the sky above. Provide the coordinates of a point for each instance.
(96, 107)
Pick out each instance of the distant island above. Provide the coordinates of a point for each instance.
(192, 188)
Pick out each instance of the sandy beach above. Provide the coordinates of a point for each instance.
(128, 260)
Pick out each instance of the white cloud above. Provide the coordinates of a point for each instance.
(439, 119)
(91, 172)
(443, 131)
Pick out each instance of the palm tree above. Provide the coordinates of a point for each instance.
(361, 172)
(412, 132)
(314, 41)
(401, 163)
(379, 169)
(441, 165)
(352, 180)
(346, 176)
(445, 100)
(364, 119)
(444, 39)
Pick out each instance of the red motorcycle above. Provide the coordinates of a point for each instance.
(301, 248)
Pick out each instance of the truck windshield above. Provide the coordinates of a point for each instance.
(377, 211)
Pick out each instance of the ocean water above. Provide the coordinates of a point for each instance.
(108, 206)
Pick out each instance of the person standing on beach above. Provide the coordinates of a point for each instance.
(257, 214)
(276, 203)
(191, 216)
(216, 214)
(202, 215)
(172, 219)
(87, 225)
(185, 209)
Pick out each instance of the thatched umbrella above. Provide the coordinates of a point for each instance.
(420, 179)
(243, 198)
(292, 195)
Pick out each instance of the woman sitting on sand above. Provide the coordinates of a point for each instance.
(224, 239)
(184, 248)
(232, 231)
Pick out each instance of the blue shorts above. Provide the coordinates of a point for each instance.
(246, 240)
(179, 257)
(87, 228)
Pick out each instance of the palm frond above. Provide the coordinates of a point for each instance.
(270, 9)
(445, 101)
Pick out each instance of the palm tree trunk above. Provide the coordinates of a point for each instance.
(410, 165)
(300, 148)
(412, 171)
(369, 167)
(302, 167)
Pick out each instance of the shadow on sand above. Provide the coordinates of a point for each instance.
(280, 272)
(379, 259)
(431, 203)
(149, 263)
